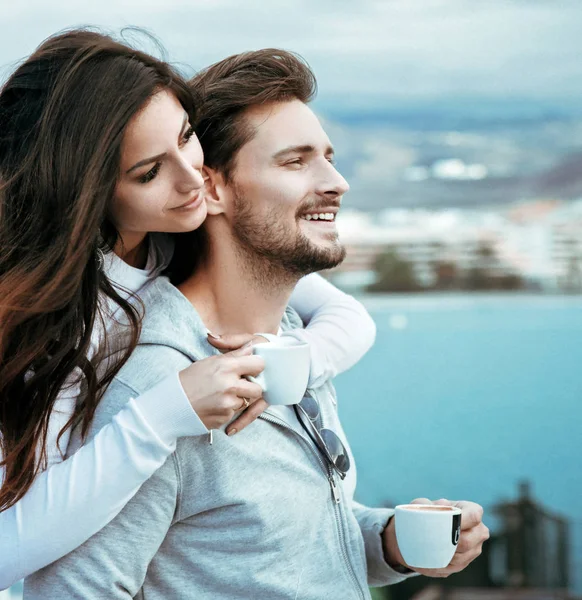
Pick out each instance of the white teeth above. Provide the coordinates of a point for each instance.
(319, 217)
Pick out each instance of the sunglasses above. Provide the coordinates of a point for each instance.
(327, 441)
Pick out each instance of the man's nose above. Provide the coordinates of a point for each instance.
(333, 184)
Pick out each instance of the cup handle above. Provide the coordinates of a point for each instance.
(270, 337)
(259, 380)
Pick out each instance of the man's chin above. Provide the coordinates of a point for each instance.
(326, 240)
(327, 256)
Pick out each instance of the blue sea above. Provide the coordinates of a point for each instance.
(463, 396)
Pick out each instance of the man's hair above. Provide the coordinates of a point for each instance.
(229, 87)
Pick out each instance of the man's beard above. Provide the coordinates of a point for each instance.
(276, 250)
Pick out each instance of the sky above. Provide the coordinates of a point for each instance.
(368, 55)
(363, 52)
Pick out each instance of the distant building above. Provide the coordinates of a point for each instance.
(532, 550)
(541, 242)
(567, 255)
(422, 238)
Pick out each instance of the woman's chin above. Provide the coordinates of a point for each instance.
(194, 220)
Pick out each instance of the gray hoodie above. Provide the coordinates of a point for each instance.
(255, 516)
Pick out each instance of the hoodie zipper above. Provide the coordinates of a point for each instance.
(336, 495)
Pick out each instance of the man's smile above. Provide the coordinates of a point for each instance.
(328, 216)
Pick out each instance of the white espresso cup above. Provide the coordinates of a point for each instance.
(427, 534)
(286, 374)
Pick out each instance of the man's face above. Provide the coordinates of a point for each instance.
(286, 192)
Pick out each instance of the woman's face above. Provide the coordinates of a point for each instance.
(160, 186)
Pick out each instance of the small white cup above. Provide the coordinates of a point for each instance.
(427, 534)
(286, 374)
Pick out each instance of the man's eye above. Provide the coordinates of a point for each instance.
(331, 160)
(295, 161)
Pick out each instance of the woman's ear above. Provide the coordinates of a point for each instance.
(214, 190)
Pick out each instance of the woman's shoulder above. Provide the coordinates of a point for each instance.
(172, 336)
(148, 365)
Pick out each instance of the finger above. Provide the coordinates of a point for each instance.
(244, 351)
(247, 389)
(234, 340)
(472, 514)
(445, 502)
(421, 501)
(471, 538)
(461, 561)
(247, 417)
(432, 572)
(472, 549)
(248, 365)
(456, 565)
(229, 341)
(478, 536)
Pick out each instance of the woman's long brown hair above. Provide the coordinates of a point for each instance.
(63, 114)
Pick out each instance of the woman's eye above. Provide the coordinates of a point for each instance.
(188, 135)
(151, 174)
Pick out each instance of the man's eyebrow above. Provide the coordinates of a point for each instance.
(147, 161)
(305, 149)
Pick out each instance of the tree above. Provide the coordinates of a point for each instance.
(393, 274)
(446, 275)
(573, 279)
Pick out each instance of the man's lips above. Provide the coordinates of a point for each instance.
(325, 214)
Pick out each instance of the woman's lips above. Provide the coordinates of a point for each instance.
(193, 203)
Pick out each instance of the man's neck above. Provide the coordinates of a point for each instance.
(237, 293)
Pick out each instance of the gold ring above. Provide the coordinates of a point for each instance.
(245, 404)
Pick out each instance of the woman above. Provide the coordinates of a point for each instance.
(75, 152)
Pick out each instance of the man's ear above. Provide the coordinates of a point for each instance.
(215, 191)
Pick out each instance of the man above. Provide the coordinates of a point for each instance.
(267, 513)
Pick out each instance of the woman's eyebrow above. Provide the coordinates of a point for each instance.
(147, 161)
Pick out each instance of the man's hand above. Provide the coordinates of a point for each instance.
(473, 535)
(232, 342)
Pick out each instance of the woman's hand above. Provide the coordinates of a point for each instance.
(229, 342)
(217, 388)
(235, 340)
